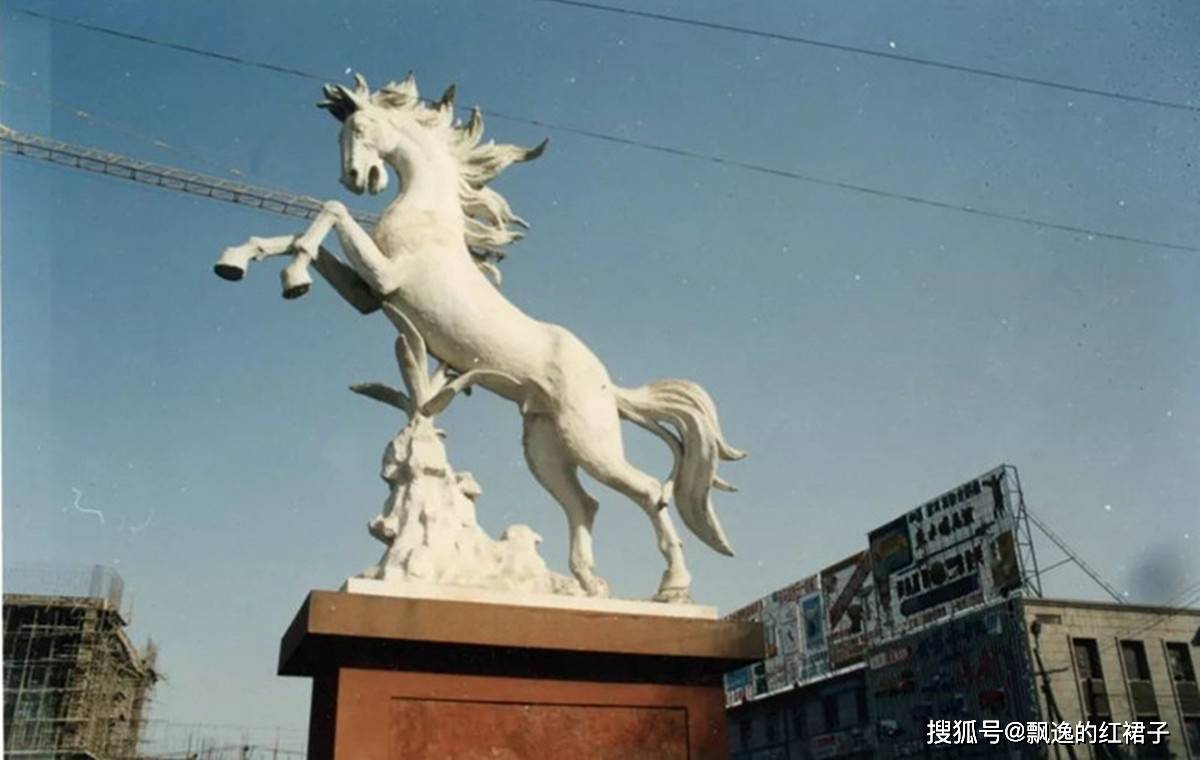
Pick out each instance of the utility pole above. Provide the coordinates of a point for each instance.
(1044, 675)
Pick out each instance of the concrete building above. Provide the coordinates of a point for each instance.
(1110, 662)
(74, 685)
(1102, 662)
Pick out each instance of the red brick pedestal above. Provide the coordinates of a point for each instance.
(418, 678)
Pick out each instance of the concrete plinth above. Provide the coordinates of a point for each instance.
(425, 678)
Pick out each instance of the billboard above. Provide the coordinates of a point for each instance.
(953, 553)
(794, 628)
(975, 666)
(794, 632)
(748, 682)
(799, 634)
(848, 595)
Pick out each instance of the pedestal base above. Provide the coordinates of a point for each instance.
(422, 678)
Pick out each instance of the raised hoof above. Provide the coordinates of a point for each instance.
(295, 291)
(229, 272)
(673, 596)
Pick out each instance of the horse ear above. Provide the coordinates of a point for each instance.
(338, 101)
(535, 151)
(360, 85)
(447, 99)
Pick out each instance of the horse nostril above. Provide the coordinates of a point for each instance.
(354, 176)
(373, 177)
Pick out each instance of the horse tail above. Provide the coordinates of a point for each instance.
(695, 440)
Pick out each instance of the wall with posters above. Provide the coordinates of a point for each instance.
(848, 594)
(951, 554)
(794, 628)
(954, 553)
(976, 666)
(748, 682)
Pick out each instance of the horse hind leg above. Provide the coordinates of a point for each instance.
(556, 472)
(604, 459)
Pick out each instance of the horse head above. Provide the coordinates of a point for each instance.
(391, 126)
(439, 161)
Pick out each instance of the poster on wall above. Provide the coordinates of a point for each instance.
(746, 683)
(775, 637)
(848, 596)
(953, 553)
(800, 631)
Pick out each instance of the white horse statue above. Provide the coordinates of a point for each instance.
(430, 258)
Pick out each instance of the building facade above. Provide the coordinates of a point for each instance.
(1118, 663)
(1031, 659)
(824, 719)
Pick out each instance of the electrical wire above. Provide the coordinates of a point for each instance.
(909, 59)
(684, 153)
(90, 117)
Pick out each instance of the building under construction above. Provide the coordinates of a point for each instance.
(74, 685)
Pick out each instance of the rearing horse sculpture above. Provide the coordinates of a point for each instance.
(427, 258)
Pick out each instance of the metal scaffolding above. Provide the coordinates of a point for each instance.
(74, 685)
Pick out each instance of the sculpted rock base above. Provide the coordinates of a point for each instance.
(429, 526)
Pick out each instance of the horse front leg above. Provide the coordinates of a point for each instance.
(368, 261)
(236, 259)
(367, 278)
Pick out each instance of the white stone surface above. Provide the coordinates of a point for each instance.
(412, 590)
(431, 264)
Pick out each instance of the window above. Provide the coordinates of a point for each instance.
(860, 698)
(1087, 658)
(799, 718)
(1191, 731)
(830, 705)
(744, 730)
(1180, 662)
(1091, 678)
(1133, 653)
(1137, 673)
(772, 727)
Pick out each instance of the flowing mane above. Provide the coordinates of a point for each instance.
(490, 223)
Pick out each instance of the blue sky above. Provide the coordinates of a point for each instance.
(868, 352)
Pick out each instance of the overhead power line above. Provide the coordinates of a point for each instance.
(910, 59)
(290, 204)
(89, 117)
(680, 20)
(682, 152)
(228, 58)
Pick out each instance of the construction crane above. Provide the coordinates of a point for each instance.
(166, 177)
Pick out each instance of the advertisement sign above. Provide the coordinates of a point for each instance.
(951, 554)
(794, 632)
(745, 683)
(739, 687)
(803, 652)
(848, 595)
(976, 666)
